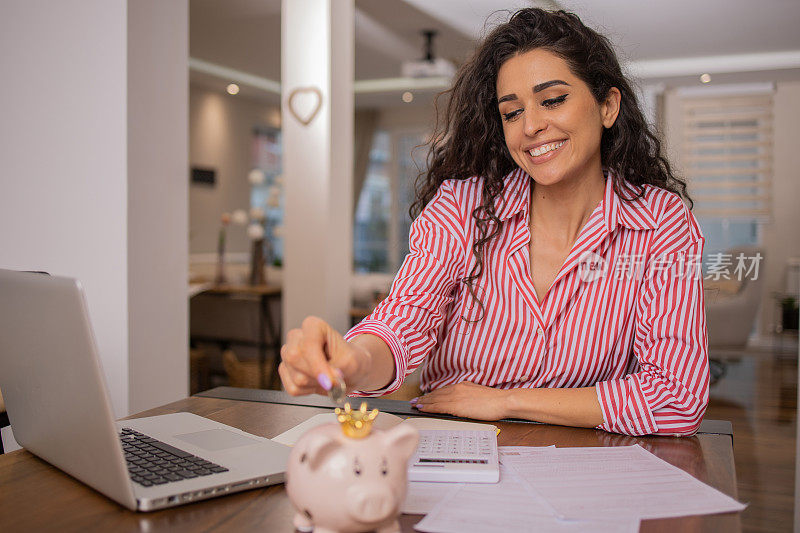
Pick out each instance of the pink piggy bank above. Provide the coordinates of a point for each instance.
(343, 484)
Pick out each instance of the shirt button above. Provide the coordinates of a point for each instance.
(539, 332)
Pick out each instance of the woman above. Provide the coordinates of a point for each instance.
(552, 272)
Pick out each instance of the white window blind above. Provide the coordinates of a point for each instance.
(726, 154)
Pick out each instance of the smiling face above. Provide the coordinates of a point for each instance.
(551, 122)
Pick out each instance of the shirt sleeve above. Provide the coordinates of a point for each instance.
(668, 395)
(408, 320)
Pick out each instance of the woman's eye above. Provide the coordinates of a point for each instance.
(511, 115)
(553, 102)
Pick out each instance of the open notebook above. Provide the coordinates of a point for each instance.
(383, 421)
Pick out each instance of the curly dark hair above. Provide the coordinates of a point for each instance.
(468, 140)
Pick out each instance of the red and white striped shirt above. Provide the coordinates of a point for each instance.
(624, 314)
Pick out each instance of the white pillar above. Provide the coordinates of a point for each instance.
(317, 52)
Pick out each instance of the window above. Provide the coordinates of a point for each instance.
(267, 157)
(726, 151)
(373, 212)
(382, 224)
(410, 161)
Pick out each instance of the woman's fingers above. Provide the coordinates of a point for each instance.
(305, 348)
(316, 347)
(311, 356)
(292, 353)
(437, 403)
(446, 393)
(339, 359)
(288, 383)
(465, 399)
(439, 407)
(298, 382)
(344, 361)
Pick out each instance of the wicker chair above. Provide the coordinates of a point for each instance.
(731, 314)
(731, 310)
(244, 374)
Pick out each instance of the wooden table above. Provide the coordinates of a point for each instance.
(267, 325)
(35, 496)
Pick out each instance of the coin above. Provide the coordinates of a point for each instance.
(338, 391)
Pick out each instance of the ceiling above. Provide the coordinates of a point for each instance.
(691, 28)
(245, 35)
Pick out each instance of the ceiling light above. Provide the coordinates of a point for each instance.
(705, 78)
(408, 97)
(233, 89)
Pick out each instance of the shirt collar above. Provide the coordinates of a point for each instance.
(633, 214)
(515, 196)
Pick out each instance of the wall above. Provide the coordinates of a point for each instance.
(70, 155)
(221, 137)
(408, 117)
(780, 234)
(63, 144)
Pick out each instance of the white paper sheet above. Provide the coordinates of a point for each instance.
(612, 481)
(509, 505)
(423, 496)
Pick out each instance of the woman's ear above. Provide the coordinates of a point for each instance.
(609, 109)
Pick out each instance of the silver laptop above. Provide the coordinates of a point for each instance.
(55, 395)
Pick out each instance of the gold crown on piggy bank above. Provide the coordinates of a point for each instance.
(356, 424)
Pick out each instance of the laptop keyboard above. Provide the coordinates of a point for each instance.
(152, 462)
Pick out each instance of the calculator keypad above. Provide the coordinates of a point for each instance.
(455, 455)
(455, 446)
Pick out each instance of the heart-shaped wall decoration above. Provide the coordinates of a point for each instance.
(304, 103)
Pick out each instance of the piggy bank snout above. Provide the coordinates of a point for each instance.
(370, 502)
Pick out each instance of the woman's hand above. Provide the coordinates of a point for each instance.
(465, 399)
(315, 354)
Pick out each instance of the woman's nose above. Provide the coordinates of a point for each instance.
(533, 122)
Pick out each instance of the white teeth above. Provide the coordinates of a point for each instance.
(539, 150)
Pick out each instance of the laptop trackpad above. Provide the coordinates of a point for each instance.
(216, 439)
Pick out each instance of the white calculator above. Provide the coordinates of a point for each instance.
(464, 456)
